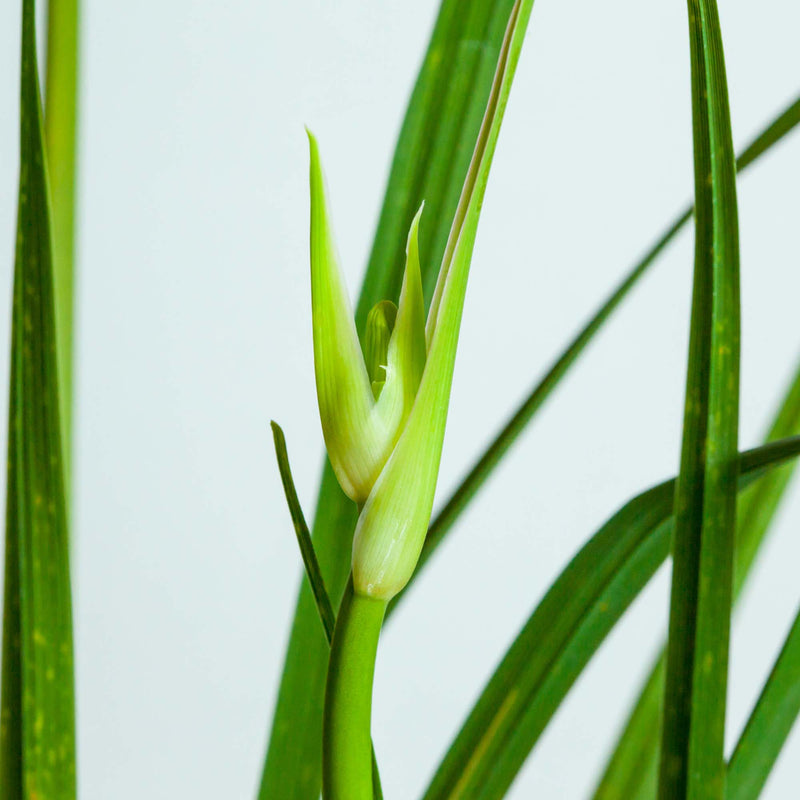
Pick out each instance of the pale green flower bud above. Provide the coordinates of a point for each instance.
(383, 418)
(360, 426)
(386, 451)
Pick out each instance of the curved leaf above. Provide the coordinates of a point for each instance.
(632, 771)
(327, 616)
(560, 637)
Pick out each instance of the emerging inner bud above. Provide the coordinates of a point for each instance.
(380, 324)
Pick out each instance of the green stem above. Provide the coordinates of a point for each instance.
(346, 743)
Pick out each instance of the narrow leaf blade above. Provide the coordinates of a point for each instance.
(37, 735)
(692, 763)
(60, 128)
(313, 573)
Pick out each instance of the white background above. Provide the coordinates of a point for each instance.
(194, 331)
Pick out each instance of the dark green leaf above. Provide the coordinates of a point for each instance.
(430, 162)
(692, 758)
(562, 634)
(769, 724)
(632, 772)
(37, 735)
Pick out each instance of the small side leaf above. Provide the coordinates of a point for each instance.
(313, 573)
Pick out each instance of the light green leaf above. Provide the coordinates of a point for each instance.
(360, 430)
(60, 129)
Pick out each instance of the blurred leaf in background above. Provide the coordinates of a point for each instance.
(37, 734)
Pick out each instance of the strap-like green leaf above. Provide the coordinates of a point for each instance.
(769, 724)
(37, 734)
(431, 159)
(562, 634)
(313, 573)
(692, 760)
(632, 772)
